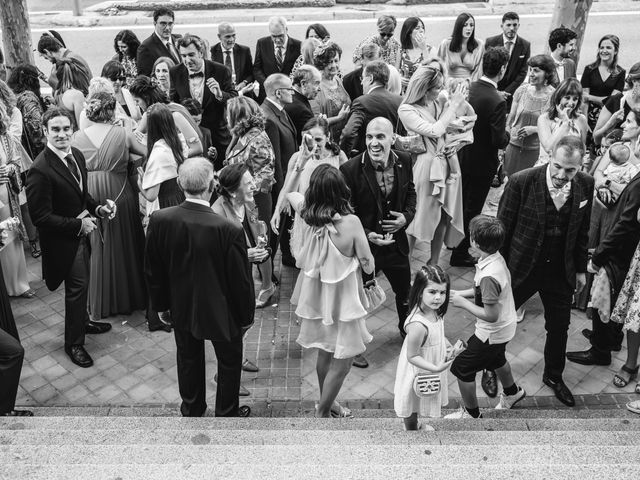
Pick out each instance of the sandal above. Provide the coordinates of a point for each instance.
(338, 411)
(265, 296)
(637, 389)
(35, 250)
(28, 294)
(625, 376)
(18, 413)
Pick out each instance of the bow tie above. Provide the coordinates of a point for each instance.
(563, 192)
(196, 75)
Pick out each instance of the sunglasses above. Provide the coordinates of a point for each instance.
(386, 35)
(121, 78)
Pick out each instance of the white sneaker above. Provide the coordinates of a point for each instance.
(634, 406)
(460, 414)
(506, 402)
(520, 313)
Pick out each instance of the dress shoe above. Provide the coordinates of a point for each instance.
(589, 357)
(94, 328)
(244, 411)
(248, 366)
(462, 260)
(243, 392)
(360, 362)
(561, 390)
(489, 383)
(586, 333)
(288, 261)
(160, 326)
(79, 356)
(265, 296)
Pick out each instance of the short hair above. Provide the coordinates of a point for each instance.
(49, 42)
(456, 35)
(99, 85)
(569, 86)
(510, 16)
(170, 63)
(100, 107)
(379, 72)
(546, 64)
(426, 274)
(571, 144)
(560, 36)
(195, 175)
(279, 21)
(112, 70)
(244, 114)
(161, 12)
(305, 73)
(230, 177)
(394, 85)
(190, 39)
(320, 29)
(327, 194)
(53, 112)
(387, 21)
(193, 106)
(487, 232)
(425, 78)
(493, 60)
(408, 27)
(130, 40)
(619, 152)
(370, 51)
(274, 82)
(309, 46)
(326, 52)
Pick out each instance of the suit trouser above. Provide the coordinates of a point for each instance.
(556, 293)
(76, 287)
(395, 267)
(605, 336)
(191, 375)
(474, 194)
(11, 357)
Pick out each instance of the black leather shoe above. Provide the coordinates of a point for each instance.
(93, 328)
(561, 390)
(462, 260)
(248, 366)
(589, 357)
(586, 333)
(489, 383)
(18, 413)
(161, 326)
(79, 356)
(360, 362)
(244, 411)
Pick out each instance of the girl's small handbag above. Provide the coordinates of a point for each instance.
(426, 384)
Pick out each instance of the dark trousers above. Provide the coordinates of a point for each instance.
(605, 336)
(474, 194)
(283, 237)
(191, 375)
(550, 282)
(395, 267)
(76, 286)
(11, 357)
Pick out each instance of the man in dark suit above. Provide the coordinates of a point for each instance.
(63, 211)
(479, 161)
(210, 84)
(282, 133)
(161, 43)
(352, 81)
(519, 52)
(306, 85)
(614, 254)
(237, 58)
(197, 269)
(384, 199)
(376, 102)
(276, 53)
(562, 44)
(546, 212)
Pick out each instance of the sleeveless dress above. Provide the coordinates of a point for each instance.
(405, 401)
(327, 296)
(545, 156)
(116, 279)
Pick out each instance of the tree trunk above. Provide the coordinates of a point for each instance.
(16, 32)
(572, 14)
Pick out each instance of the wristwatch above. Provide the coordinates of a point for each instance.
(607, 182)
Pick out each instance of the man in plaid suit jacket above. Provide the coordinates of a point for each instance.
(546, 212)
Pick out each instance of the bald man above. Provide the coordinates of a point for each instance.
(236, 57)
(384, 198)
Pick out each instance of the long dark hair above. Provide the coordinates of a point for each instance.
(148, 90)
(161, 126)
(72, 74)
(429, 273)
(456, 36)
(130, 40)
(24, 77)
(321, 121)
(327, 195)
(408, 27)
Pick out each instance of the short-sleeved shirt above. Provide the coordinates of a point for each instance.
(487, 292)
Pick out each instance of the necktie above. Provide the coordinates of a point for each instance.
(279, 58)
(560, 195)
(227, 60)
(173, 52)
(71, 164)
(509, 46)
(196, 75)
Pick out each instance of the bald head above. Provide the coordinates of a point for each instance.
(380, 123)
(227, 35)
(379, 139)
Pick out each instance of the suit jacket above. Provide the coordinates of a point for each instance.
(368, 202)
(522, 210)
(616, 249)
(265, 61)
(377, 103)
(213, 116)
(480, 159)
(569, 68)
(282, 133)
(517, 66)
(55, 200)
(300, 113)
(196, 266)
(352, 83)
(242, 63)
(150, 50)
(223, 207)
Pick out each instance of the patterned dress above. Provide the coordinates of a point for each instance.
(389, 52)
(627, 309)
(329, 101)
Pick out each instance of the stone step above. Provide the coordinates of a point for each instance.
(313, 437)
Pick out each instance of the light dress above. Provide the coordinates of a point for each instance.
(627, 309)
(327, 295)
(405, 401)
(545, 156)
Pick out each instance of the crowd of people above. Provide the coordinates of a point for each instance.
(224, 158)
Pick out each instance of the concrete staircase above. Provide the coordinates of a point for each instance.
(525, 444)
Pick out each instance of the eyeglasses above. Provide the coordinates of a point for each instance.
(288, 89)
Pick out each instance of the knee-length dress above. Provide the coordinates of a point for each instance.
(405, 401)
(627, 308)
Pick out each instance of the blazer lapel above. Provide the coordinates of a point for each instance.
(540, 187)
(286, 121)
(63, 171)
(207, 96)
(370, 177)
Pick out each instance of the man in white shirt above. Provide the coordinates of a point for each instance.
(161, 43)
(236, 57)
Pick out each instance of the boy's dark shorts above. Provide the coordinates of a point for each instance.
(477, 357)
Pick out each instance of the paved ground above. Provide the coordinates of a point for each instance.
(136, 367)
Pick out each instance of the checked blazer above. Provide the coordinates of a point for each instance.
(522, 211)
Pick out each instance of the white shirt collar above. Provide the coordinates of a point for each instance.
(284, 45)
(488, 80)
(60, 153)
(552, 188)
(487, 260)
(198, 201)
(278, 106)
(200, 70)
(505, 40)
(164, 42)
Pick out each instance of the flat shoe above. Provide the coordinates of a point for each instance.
(360, 362)
(244, 411)
(243, 392)
(18, 413)
(248, 366)
(162, 326)
(95, 328)
(560, 390)
(79, 356)
(338, 411)
(489, 383)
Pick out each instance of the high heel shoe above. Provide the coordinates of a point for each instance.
(264, 297)
(625, 376)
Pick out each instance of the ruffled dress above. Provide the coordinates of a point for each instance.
(327, 295)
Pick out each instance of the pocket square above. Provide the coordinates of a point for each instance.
(521, 56)
(583, 203)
